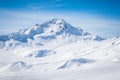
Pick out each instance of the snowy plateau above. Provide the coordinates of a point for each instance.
(56, 50)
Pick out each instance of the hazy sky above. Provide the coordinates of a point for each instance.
(101, 17)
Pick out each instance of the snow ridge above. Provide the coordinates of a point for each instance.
(51, 29)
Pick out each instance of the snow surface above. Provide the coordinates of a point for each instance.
(56, 50)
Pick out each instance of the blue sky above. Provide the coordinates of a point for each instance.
(101, 17)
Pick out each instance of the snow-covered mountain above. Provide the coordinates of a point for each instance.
(56, 48)
(49, 30)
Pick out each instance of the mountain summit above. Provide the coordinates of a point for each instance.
(52, 28)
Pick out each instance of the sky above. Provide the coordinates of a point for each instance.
(100, 17)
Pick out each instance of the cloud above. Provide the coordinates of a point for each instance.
(45, 5)
(35, 7)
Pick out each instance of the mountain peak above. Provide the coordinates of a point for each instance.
(59, 26)
(57, 21)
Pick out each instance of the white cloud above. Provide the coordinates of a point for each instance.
(45, 5)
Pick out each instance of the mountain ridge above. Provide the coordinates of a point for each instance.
(53, 27)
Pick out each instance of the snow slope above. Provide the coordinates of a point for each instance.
(110, 72)
(55, 50)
